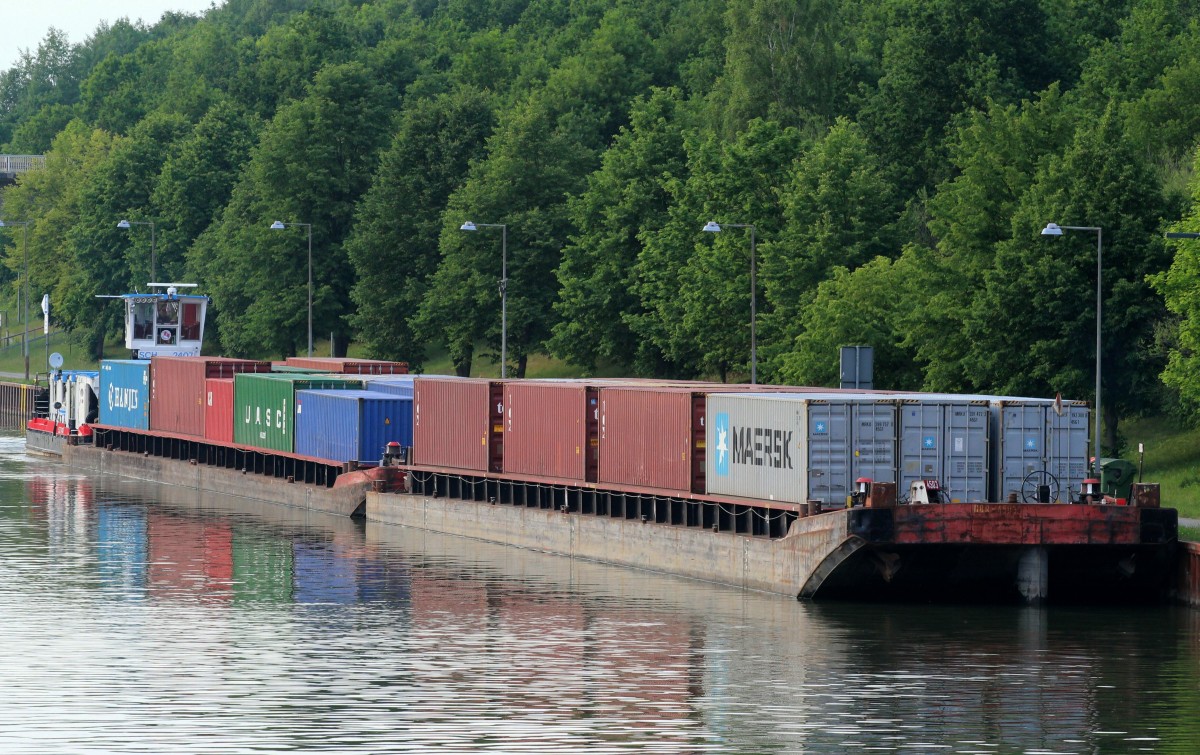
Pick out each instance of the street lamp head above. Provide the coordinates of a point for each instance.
(277, 226)
(123, 224)
(467, 226)
(1052, 229)
(712, 227)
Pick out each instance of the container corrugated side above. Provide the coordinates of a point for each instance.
(349, 366)
(218, 410)
(1068, 444)
(451, 423)
(1022, 447)
(397, 385)
(545, 429)
(265, 406)
(756, 447)
(125, 393)
(646, 438)
(351, 425)
(177, 389)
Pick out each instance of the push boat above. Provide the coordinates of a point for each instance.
(576, 468)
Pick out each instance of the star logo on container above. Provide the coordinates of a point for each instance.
(721, 428)
(819, 428)
(1031, 444)
(929, 442)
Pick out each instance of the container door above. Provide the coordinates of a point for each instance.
(829, 452)
(496, 435)
(965, 469)
(1067, 449)
(591, 470)
(922, 431)
(1023, 443)
(699, 441)
(874, 443)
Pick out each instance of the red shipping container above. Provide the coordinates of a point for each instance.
(348, 366)
(646, 437)
(452, 423)
(178, 391)
(546, 429)
(218, 410)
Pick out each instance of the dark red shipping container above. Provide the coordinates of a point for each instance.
(178, 392)
(646, 437)
(348, 366)
(550, 430)
(457, 423)
(218, 410)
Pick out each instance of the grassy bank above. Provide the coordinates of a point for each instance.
(1172, 459)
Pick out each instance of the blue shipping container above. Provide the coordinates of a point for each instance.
(351, 425)
(394, 385)
(125, 393)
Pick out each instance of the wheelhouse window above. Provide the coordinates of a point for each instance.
(167, 326)
(143, 321)
(190, 330)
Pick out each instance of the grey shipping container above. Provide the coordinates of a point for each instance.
(947, 441)
(798, 447)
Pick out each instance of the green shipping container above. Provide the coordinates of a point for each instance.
(263, 565)
(264, 406)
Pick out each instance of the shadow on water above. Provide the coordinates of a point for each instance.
(254, 625)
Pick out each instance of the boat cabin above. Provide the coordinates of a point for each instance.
(164, 323)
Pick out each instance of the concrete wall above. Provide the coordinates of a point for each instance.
(1188, 581)
(340, 500)
(780, 566)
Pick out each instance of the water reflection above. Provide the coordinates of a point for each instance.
(144, 617)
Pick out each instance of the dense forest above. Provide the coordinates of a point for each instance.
(897, 161)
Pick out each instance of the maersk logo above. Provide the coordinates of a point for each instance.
(1031, 444)
(721, 446)
(929, 441)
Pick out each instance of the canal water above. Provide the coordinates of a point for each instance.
(144, 618)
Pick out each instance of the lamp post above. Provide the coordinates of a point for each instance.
(279, 226)
(153, 260)
(713, 227)
(24, 282)
(469, 226)
(1053, 229)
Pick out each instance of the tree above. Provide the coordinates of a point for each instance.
(1031, 329)
(311, 165)
(394, 243)
(838, 212)
(1180, 288)
(625, 199)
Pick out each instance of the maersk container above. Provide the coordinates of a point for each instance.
(947, 441)
(351, 425)
(796, 447)
(458, 423)
(125, 393)
(218, 410)
(396, 385)
(349, 366)
(265, 406)
(550, 430)
(646, 437)
(757, 445)
(178, 391)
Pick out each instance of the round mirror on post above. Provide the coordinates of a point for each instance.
(56, 361)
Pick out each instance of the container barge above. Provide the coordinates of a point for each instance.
(812, 493)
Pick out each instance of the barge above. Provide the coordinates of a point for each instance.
(805, 492)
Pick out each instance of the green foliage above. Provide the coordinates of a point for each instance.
(896, 159)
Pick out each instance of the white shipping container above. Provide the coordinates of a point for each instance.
(798, 447)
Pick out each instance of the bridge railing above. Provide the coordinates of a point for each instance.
(21, 163)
